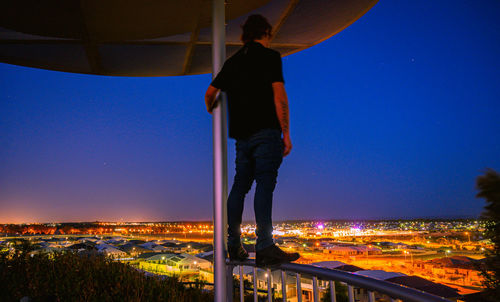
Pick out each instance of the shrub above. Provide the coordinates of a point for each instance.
(488, 186)
(340, 293)
(68, 276)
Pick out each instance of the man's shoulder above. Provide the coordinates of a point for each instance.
(234, 59)
(274, 52)
(231, 59)
(271, 52)
(267, 55)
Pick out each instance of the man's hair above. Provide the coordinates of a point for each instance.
(255, 28)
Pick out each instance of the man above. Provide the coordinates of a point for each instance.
(258, 117)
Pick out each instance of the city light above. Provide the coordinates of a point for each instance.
(375, 245)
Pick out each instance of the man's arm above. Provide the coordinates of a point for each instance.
(281, 103)
(211, 98)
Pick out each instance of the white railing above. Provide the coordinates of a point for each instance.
(393, 291)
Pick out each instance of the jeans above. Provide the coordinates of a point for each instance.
(257, 158)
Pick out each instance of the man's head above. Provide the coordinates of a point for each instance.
(257, 28)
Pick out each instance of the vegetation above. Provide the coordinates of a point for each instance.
(68, 276)
(340, 293)
(489, 189)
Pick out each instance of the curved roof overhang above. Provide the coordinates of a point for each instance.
(154, 37)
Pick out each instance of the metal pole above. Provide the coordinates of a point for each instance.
(219, 124)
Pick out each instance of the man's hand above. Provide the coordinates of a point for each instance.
(214, 104)
(287, 145)
(211, 98)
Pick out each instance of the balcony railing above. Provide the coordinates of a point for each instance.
(372, 286)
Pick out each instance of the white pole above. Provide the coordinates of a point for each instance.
(219, 124)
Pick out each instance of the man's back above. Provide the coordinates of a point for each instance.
(258, 117)
(247, 79)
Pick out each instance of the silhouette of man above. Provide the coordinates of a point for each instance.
(258, 118)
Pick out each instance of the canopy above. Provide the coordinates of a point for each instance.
(154, 37)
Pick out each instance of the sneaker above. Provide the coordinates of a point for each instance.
(237, 253)
(273, 255)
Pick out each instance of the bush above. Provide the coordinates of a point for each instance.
(68, 276)
(488, 186)
(340, 293)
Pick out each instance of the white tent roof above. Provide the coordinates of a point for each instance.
(155, 37)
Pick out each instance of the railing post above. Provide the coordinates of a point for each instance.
(299, 287)
(350, 293)
(333, 296)
(283, 285)
(269, 286)
(255, 285)
(371, 296)
(219, 124)
(229, 283)
(242, 285)
(315, 289)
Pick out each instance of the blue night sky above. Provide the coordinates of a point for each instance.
(394, 117)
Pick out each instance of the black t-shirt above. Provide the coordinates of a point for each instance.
(247, 79)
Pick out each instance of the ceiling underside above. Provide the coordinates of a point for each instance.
(154, 37)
